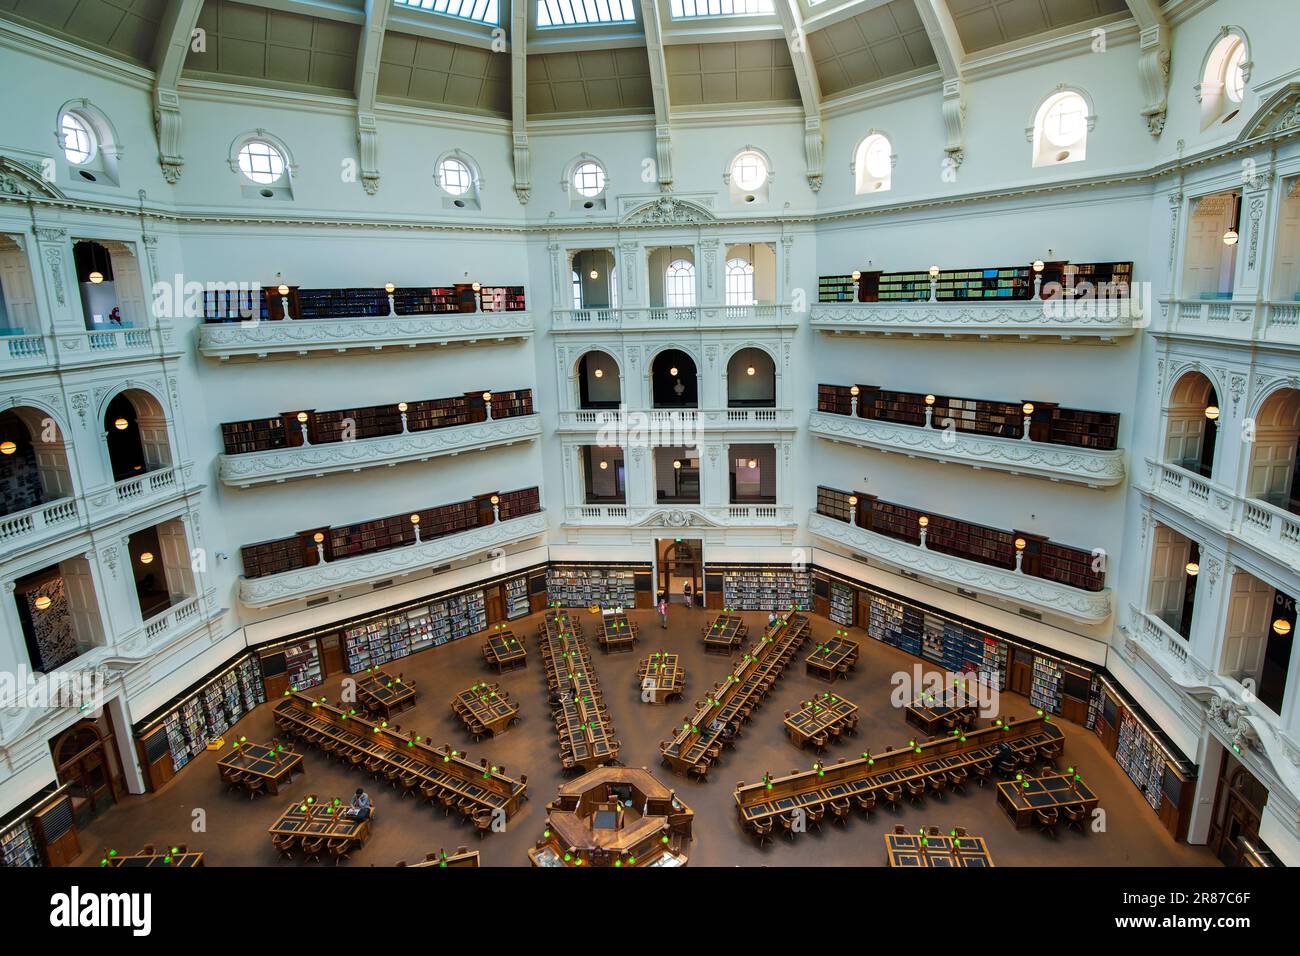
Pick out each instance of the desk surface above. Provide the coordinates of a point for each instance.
(1047, 793)
(487, 704)
(384, 689)
(569, 665)
(183, 860)
(319, 819)
(918, 850)
(617, 629)
(504, 646)
(260, 759)
(828, 655)
(725, 629)
(816, 715)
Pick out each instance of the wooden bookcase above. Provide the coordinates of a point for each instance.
(978, 284)
(834, 399)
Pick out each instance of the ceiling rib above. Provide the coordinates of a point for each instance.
(175, 35)
(805, 72)
(951, 54)
(519, 101)
(654, 47)
(1154, 51)
(366, 88)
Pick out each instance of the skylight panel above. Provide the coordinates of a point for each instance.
(478, 11)
(689, 9)
(576, 13)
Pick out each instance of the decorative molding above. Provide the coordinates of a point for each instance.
(668, 211)
(302, 583)
(1100, 319)
(20, 181)
(228, 339)
(1040, 594)
(1086, 466)
(313, 461)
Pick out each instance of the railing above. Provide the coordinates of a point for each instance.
(29, 526)
(603, 511)
(1159, 636)
(696, 316)
(21, 347)
(671, 514)
(148, 485)
(665, 418)
(1102, 319)
(1272, 530)
(176, 616)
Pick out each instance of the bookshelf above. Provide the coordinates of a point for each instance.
(841, 604)
(18, 846)
(763, 587)
(1140, 756)
(1049, 422)
(370, 421)
(1045, 687)
(836, 289)
(502, 298)
(581, 585)
(516, 598)
(964, 539)
(203, 712)
(979, 284)
(316, 304)
(381, 534)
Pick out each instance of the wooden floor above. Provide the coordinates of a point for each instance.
(406, 829)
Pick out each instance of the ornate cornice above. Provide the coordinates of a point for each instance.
(1003, 321)
(312, 461)
(668, 211)
(349, 572)
(226, 340)
(20, 181)
(1087, 466)
(1090, 607)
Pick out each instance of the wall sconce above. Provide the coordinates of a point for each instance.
(121, 424)
(146, 557)
(7, 448)
(594, 274)
(96, 278)
(1230, 237)
(1192, 569)
(1281, 627)
(43, 602)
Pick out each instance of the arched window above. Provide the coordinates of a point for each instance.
(679, 283)
(260, 162)
(748, 176)
(740, 282)
(1224, 76)
(78, 138)
(577, 290)
(589, 178)
(454, 176)
(1060, 131)
(873, 164)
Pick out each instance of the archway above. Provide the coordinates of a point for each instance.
(1273, 476)
(34, 466)
(1192, 423)
(751, 379)
(673, 380)
(600, 384)
(135, 429)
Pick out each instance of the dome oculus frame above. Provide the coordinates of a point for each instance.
(257, 150)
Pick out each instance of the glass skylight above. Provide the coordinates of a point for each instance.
(479, 11)
(570, 13)
(688, 9)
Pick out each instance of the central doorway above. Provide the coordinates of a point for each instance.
(1238, 806)
(680, 564)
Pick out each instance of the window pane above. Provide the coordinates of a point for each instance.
(78, 145)
(749, 170)
(1066, 120)
(588, 179)
(480, 11)
(679, 284)
(566, 13)
(455, 176)
(261, 162)
(740, 282)
(687, 9)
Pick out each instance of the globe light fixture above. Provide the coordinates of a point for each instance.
(1230, 237)
(43, 602)
(1212, 413)
(146, 557)
(1192, 569)
(121, 424)
(96, 278)
(7, 448)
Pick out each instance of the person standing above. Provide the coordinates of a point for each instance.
(686, 590)
(663, 611)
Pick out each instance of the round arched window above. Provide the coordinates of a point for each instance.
(589, 178)
(749, 170)
(1234, 74)
(261, 162)
(455, 176)
(78, 139)
(1065, 121)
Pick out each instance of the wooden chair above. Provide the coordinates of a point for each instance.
(819, 742)
(867, 802)
(448, 800)
(957, 779)
(893, 794)
(841, 809)
(284, 844)
(787, 825)
(254, 786)
(1076, 816)
(482, 822)
(763, 830)
(340, 848)
(915, 790)
(815, 816)
(938, 783)
(234, 780)
(1047, 821)
(312, 848)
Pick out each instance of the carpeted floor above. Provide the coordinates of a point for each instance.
(231, 829)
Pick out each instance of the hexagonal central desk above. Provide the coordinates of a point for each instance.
(614, 816)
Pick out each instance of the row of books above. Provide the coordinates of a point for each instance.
(18, 846)
(841, 604)
(578, 586)
(268, 304)
(1142, 759)
(383, 640)
(1045, 685)
(770, 588)
(999, 282)
(920, 631)
(214, 709)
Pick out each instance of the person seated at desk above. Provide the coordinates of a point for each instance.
(715, 726)
(359, 808)
(771, 618)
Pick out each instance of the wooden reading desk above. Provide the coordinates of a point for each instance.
(484, 708)
(699, 741)
(585, 731)
(504, 651)
(1023, 798)
(385, 695)
(272, 765)
(617, 633)
(819, 716)
(871, 774)
(174, 857)
(462, 857)
(404, 755)
(659, 677)
(315, 819)
(937, 850)
(725, 634)
(827, 657)
(935, 718)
